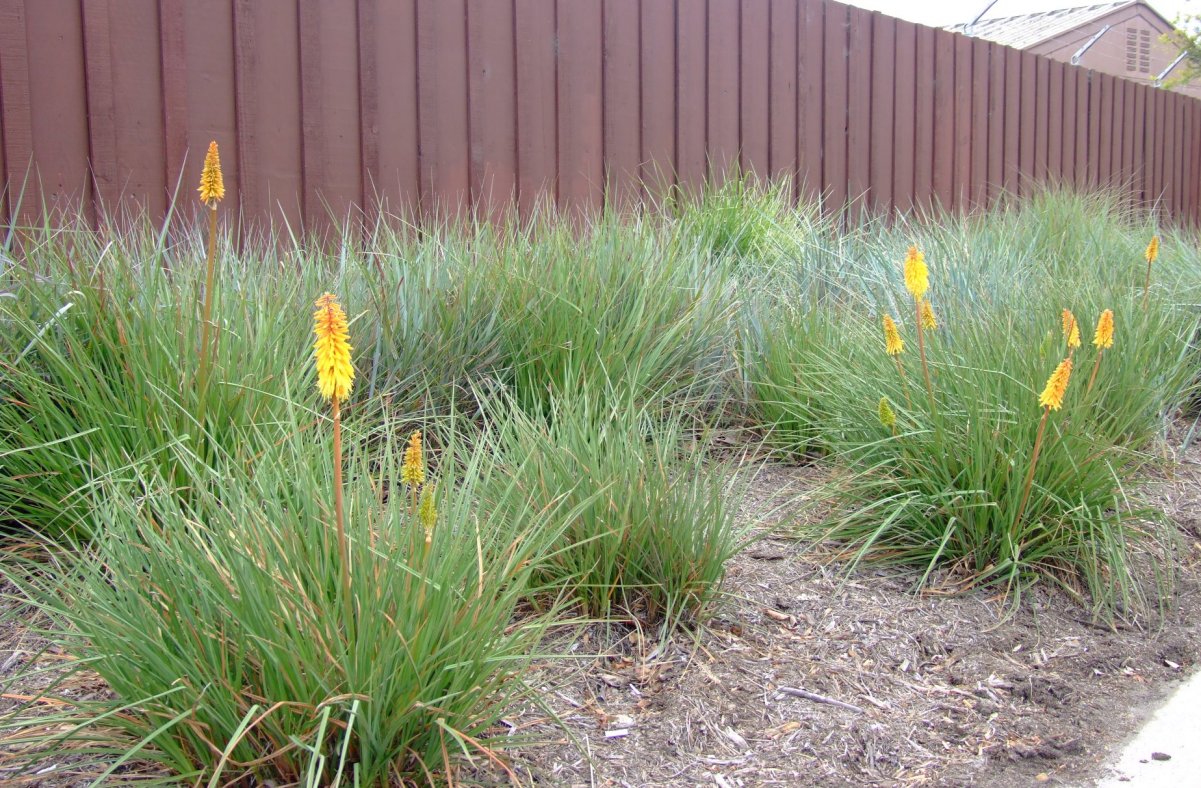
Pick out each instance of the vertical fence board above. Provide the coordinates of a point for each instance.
(388, 42)
(755, 82)
(207, 47)
(1083, 97)
(722, 109)
(492, 117)
(904, 150)
(1042, 116)
(1013, 120)
(978, 138)
(537, 119)
(782, 99)
(102, 111)
(174, 69)
(859, 108)
(622, 101)
(1055, 123)
(923, 130)
(1106, 165)
(658, 94)
(886, 125)
(329, 60)
(581, 175)
(1161, 129)
(1139, 154)
(268, 112)
(1194, 178)
(1176, 147)
(1187, 146)
(834, 109)
(810, 123)
(442, 105)
(1068, 127)
(1127, 152)
(1028, 131)
(996, 121)
(57, 129)
(1095, 170)
(961, 173)
(691, 91)
(1150, 135)
(944, 120)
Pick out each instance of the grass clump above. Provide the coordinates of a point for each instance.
(647, 524)
(272, 658)
(941, 483)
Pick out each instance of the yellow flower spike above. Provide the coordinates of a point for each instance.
(893, 344)
(1071, 329)
(887, 415)
(1057, 386)
(929, 321)
(917, 275)
(1103, 337)
(412, 472)
(1152, 251)
(212, 186)
(335, 374)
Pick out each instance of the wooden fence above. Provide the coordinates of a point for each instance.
(323, 105)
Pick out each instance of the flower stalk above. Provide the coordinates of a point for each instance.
(212, 191)
(917, 282)
(894, 346)
(1051, 399)
(1151, 253)
(335, 378)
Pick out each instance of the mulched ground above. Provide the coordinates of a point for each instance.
(810, 677)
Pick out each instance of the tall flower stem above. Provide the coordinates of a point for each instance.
(1038, 445)
(921, 350)
(1093, 376)
(1147, 286)
(207, 315)
(339, 517)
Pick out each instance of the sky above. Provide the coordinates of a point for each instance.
(946, 12)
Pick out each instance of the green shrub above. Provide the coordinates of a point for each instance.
(647, 523)
(220, 624)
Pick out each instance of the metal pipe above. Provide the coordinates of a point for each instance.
(1168, 70)
(1089, 43)
(967, 29)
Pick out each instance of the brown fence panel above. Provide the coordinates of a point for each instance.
(623, 101)
(981, 83)
(811, 53)
(1067, 161)
(1055, 122)
(581, 112)
(722, 106)
(537, 118)
(1013, 120)
(923, 146)
(691, 73)
(324, 108)
(834, 138)
(904, 148)
(944, 118)
(782, 89)
(388, 102)
(492, 111)
(658, 94)
(859, 108)
(754, 84)
(961, 172)
(997, 99)
(886, 121)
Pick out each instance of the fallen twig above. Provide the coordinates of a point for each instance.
(813, 696)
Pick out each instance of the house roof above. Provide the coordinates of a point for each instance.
(1027, 30)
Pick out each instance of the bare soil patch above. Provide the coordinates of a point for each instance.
(810, 677)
